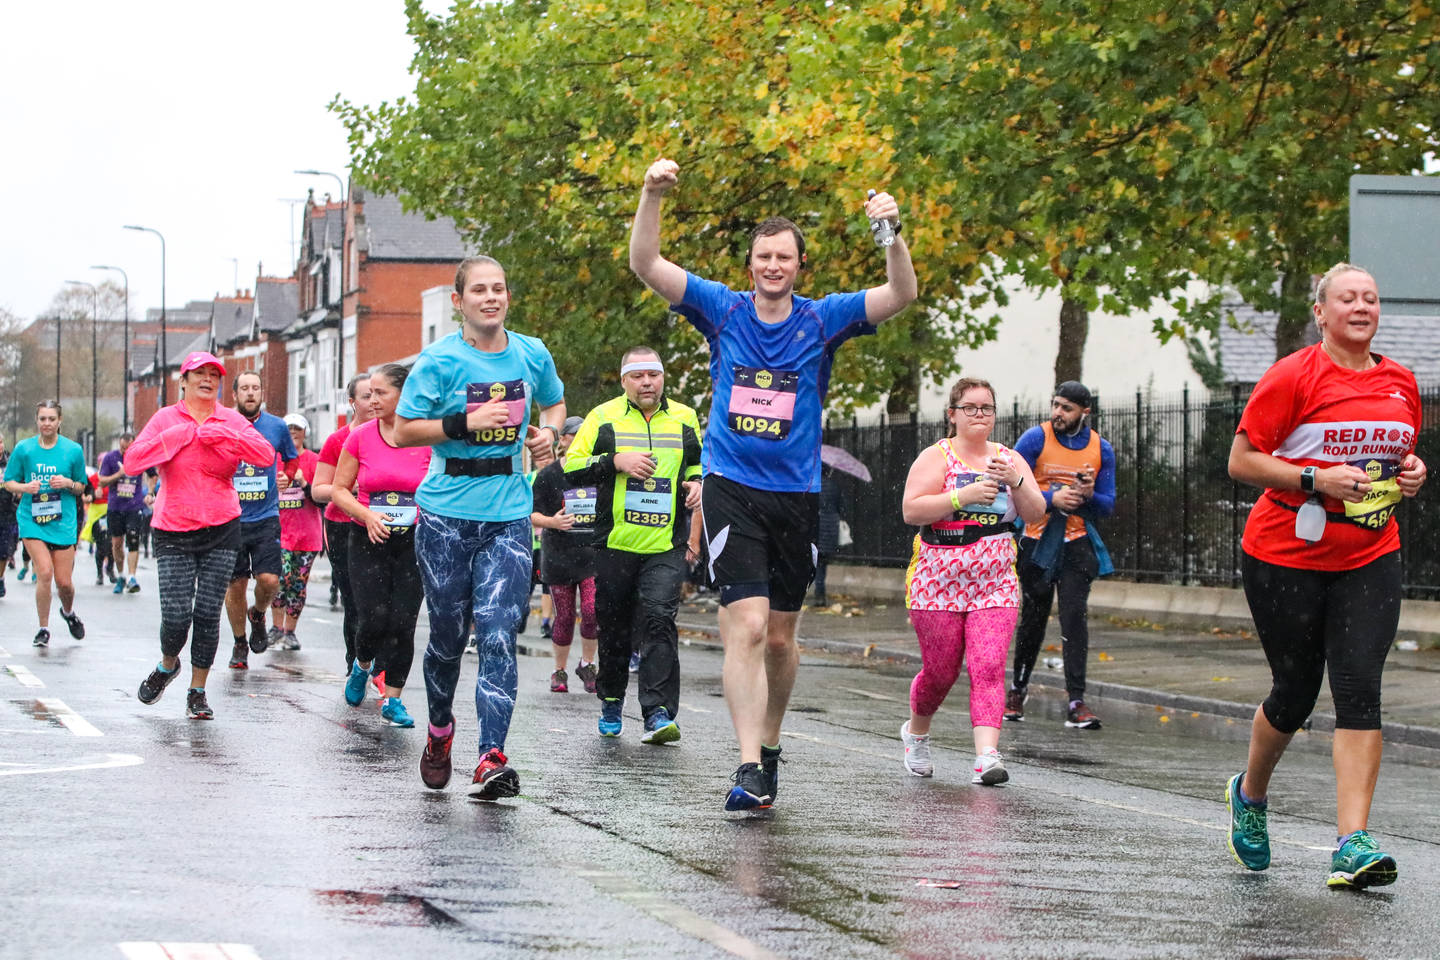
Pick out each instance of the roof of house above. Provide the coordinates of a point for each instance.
(1246, 353)
(387, 232)
(325, 226)
(233, 321)
(277, 303)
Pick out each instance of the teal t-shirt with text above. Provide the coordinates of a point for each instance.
(49, 515)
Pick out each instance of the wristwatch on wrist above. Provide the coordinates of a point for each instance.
(1307, 480)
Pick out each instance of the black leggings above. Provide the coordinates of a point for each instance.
(1078, 567)
(385, 579)
(1311, 620)
(192, 591)
(337, 546)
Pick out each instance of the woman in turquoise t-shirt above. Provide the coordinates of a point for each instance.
(47, 473)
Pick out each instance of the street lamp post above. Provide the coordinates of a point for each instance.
(125, 381)
(340, 351)
(164, 353)
(94, 364)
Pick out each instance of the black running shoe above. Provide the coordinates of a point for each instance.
(258, 641)
(42, 638)
(239, 657)
(770, 764)
(77, 629)
(196, 706)
(751, 791)
(154, 685)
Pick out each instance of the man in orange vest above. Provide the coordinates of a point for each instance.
(1075, 470)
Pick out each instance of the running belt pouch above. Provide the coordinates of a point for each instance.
(478, 467)
(960, 534)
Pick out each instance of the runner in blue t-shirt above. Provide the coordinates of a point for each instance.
(258, 486)
(469, 397)
(770, 357)
(47, 473)
(125, 511)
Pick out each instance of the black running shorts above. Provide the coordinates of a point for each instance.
(761, 542)
(259, 549)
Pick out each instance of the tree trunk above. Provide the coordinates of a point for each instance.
(904, 394)
(1074, 328)
(1295, 316)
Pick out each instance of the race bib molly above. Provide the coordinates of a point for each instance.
(398, 509)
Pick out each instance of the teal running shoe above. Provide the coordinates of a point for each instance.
(610, 719)
(1249, 838)
(1359, 863)
(659, 728)
(394, 713)
(355, 684)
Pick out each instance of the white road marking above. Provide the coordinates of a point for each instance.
(867, 693)
(75, 723)
(4, 653)
(115, 760)
(320, 620)
(627, 890)
(156, 950)
(22, 673)
(694, 709)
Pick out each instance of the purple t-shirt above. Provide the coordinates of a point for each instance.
(389, 475)
(127, 495)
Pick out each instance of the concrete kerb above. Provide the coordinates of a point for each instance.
(1321, 722)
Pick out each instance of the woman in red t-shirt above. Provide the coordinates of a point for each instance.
(301, 538)
(1330, 434)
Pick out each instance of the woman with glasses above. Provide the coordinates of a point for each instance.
(961, 589)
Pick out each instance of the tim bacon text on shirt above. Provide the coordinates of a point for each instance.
(1348, 440)
(516, 403)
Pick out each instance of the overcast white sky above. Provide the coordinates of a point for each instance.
(182, 116)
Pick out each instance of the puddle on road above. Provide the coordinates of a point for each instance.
(386, 909)
(38, 711)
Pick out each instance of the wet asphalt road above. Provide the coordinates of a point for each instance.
(298, 826)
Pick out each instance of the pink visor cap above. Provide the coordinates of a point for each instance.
(201, 358)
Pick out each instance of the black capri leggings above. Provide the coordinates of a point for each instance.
(388, 591)
(1313, 620)
(192, 591)
(337, 546)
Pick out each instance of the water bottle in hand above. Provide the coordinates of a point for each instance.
(882, 230)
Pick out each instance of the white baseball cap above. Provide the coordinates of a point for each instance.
(296, 420)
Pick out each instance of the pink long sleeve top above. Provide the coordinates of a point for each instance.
(196, 462)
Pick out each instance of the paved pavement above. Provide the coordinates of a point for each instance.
(294, 826)
(1222, 671)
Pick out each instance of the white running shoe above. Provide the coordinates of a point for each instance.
(917, 752)
(990, 769)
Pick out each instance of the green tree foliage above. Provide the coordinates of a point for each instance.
(1115, 152)
(532, 125)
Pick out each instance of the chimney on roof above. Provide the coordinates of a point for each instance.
(327, 199)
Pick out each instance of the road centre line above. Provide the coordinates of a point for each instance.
(22, 673)
(867, 693)
(75, 723)
(156, 950)
(623, 888)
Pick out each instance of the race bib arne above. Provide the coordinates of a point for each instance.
(45, 507)
(291, 498)
(580, 504)
(252, 483)
(762, 402)
(512, 392)
(649, 502)
(398, 509)
(1384, 495)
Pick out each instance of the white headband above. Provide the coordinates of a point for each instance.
(655, 365)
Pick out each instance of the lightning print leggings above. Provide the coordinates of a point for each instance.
(478, 572)
(981, 638)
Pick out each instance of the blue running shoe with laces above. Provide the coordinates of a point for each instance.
(659, 728)
(751, 790)
(1249, 837)
(355, 684)
(394, 713)
(119, 586)
(1359, 862)
(610, 719)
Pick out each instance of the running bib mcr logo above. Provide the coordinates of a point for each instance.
(512, 394)
(762, 402)
(252, 483)
(648, 502)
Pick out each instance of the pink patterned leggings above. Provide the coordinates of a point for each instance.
(980, 638)
(562, 627)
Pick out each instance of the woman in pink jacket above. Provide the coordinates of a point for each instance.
(195, 445)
